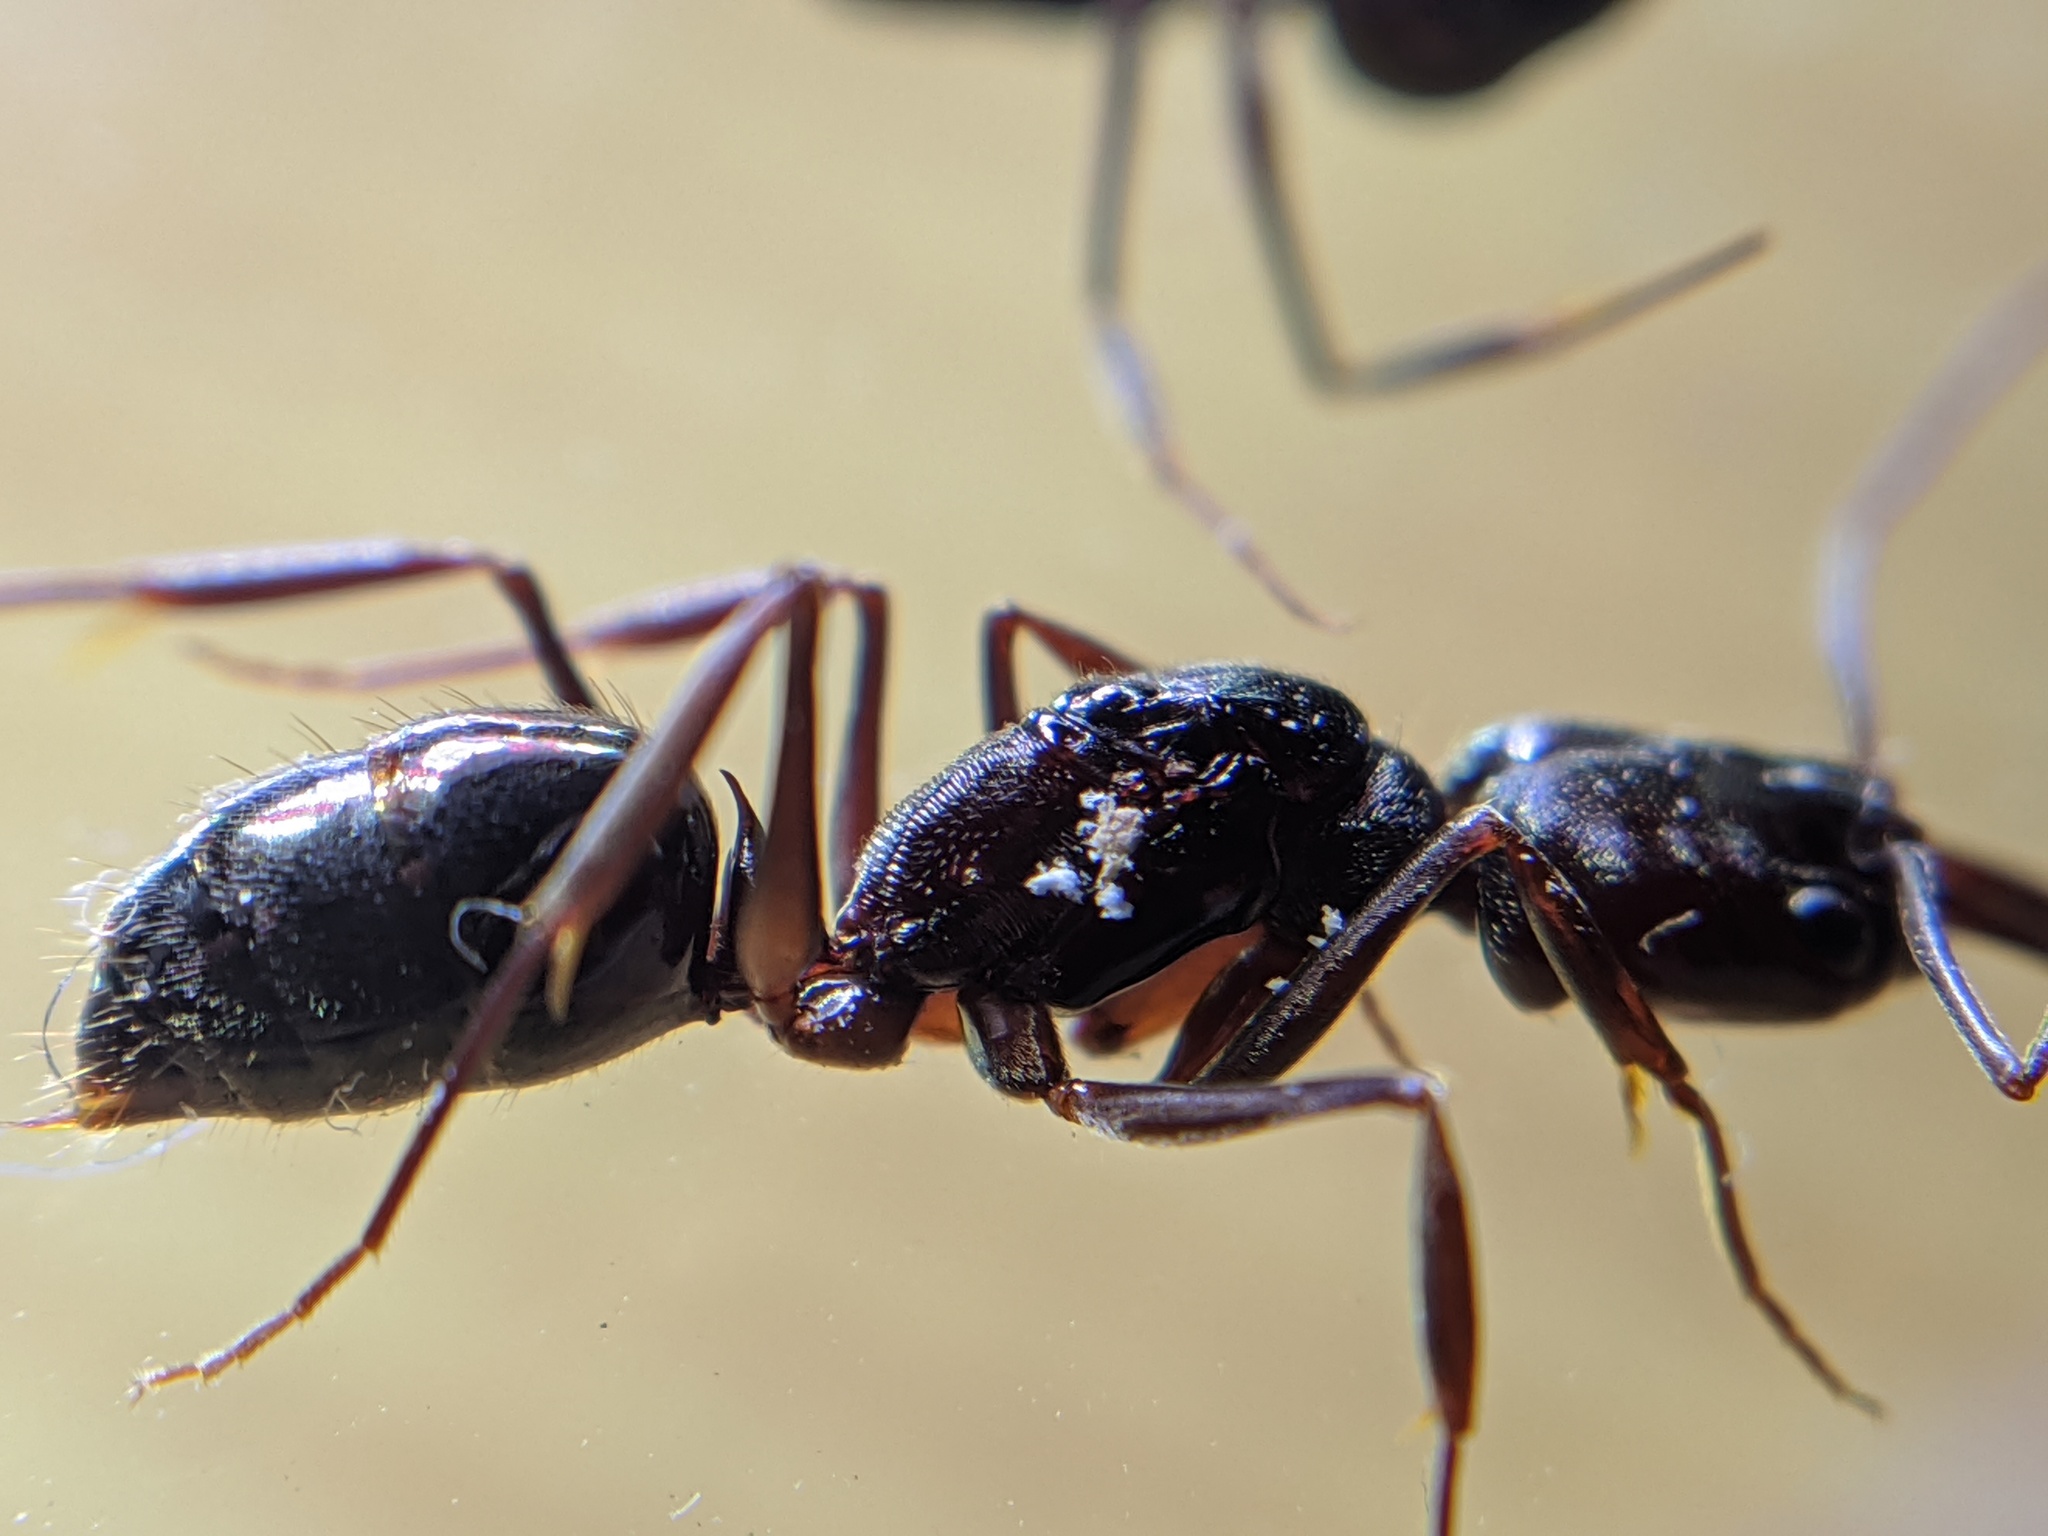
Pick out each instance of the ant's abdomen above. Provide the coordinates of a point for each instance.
(314, 942)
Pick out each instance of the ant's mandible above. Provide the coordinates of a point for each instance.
(318, 942)
(1429, 49)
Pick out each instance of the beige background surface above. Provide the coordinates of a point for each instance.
(650, 291)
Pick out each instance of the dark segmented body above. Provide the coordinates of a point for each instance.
(1126, 823)
(292, 954)
(1435, 47)
(1735, 885)
(1451, 47)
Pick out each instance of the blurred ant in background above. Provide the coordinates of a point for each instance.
(1436, 50)
(485, 899)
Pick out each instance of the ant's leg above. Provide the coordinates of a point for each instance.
(1083, 655)
(227, 578)
(1993, 901)
(1602, 987)
(1017, 1049)
(1289, 1022)
(1109, 196)
(1917, 874)
(665, 617)
(603, 854)
(1126, 368)
(1287, 1026)
(781, 931)
(857, 804)
(1458, 352)
(668, 616)
(1983, 368)
(1259, 970)
(1169, 1115)
(1208, 995)
(1384, 1031)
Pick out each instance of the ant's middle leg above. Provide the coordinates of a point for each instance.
(1017, 1049)
(1258, 970)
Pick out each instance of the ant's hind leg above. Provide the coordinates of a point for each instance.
(1286, 1026)
(236, 577)
(1404, 368)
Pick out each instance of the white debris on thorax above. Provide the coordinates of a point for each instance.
(1110, 837)
(1058, 878)
(1333, 924)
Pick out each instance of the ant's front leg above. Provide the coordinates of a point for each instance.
(1999, 904)
(1016, 1047)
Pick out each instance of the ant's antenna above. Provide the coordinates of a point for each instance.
(1991, 359)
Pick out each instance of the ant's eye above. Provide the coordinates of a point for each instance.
(1836, 930)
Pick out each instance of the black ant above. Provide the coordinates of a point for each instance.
(318, 942)
(1429, 49)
